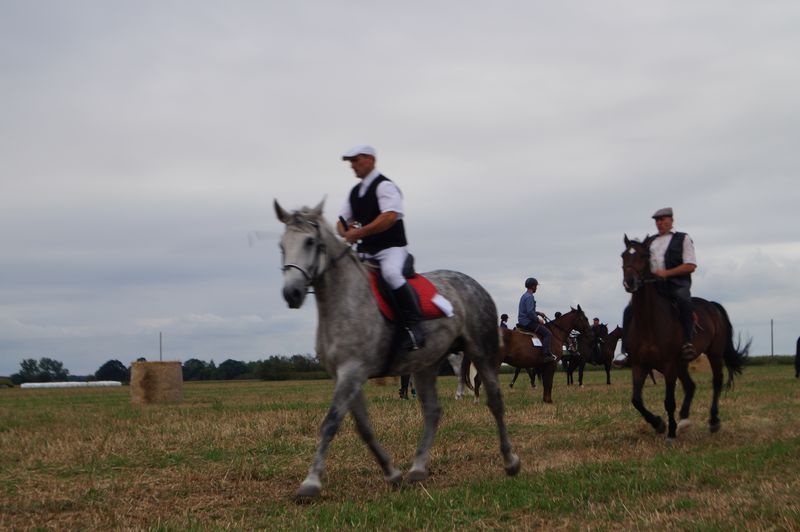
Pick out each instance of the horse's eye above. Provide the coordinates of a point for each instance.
(309, 242)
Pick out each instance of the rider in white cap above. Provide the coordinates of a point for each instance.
(672, 259)
(376, 204)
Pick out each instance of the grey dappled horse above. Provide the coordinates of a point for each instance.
(355, 342)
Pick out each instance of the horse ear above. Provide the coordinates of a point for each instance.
(282, 215)
(627, 242)
(317, 211)
(579, 307)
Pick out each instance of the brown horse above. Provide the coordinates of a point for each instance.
(653, 339)
(517, 349)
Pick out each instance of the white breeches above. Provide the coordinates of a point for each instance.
(391, 261)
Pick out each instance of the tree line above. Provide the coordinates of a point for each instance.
(273, 368)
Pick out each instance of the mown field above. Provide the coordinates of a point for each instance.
(232, 455)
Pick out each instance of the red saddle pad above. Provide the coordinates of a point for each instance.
(421, 285)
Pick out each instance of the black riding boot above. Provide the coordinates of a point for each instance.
(545, 335)
(410, 317)
(687, 322)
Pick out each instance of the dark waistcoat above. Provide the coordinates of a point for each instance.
(674, 257)
(365, 210)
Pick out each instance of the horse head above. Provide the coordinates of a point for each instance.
(635, 264)
(575, 319)
(303, 246)
(581, 321)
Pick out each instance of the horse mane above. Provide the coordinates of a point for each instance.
(313, 216)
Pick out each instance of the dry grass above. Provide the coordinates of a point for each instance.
(232, 454)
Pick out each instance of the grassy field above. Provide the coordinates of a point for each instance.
(232, 455)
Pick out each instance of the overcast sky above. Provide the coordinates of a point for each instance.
(141, 142)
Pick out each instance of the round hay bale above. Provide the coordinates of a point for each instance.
(156, 382)
(700, 365)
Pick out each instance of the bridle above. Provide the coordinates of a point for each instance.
(639, 279)
(313, 272)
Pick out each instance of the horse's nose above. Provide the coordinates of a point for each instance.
(293, 295)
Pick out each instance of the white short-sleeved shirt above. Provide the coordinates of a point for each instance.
(389, 197)
(659, 245)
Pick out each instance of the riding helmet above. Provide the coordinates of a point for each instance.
(531, 281)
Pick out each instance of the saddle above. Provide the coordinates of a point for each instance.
(430, 301)
(535, 339)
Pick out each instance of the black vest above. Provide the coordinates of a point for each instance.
(365, 210)
(674, 257)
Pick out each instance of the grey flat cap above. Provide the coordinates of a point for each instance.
(666, 211)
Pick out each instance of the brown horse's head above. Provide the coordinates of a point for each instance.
(635, 264)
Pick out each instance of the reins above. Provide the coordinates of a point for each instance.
(312, 274)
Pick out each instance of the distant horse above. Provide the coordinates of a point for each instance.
(589, 350)
(355, 342)
(531, 375)
(654, 336)
(602, 346)
(797, 361)
(454, 359)
(517, 349)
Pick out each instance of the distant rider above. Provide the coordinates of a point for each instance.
(528, 318)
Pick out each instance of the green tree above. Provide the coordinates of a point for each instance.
(230, 369)
(194, 370)
(113, 370)
(45, 370)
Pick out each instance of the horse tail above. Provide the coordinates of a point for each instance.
(734, 356)
(465, 380)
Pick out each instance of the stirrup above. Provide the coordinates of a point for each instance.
(410, 342)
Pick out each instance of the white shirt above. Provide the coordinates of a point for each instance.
(389, 196)
(659, 245)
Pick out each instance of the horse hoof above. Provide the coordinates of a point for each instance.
(417, 475)
(670, 441)
(516, 465)
(395, 478)
(307, 491)
(714, 427)
(661, 428)
(684, 424)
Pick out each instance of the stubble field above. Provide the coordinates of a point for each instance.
(232, 454)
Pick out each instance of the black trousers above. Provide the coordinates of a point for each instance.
(543, 332)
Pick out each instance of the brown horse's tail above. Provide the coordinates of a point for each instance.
(734, 356)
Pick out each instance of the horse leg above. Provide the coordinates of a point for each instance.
(608, 373)
(548, 374)
(569, 369)
(514, 378)
(716, 384)
(431, 413)
(494, 401)
(359, 412)
(689, 388)
(669, 404)
(476, 385)
(581, 365)
(638, 375)
(532, 376)
(348, 385)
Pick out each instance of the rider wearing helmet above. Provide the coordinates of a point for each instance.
(528, 318)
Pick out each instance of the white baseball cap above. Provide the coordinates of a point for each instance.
(355, 151)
